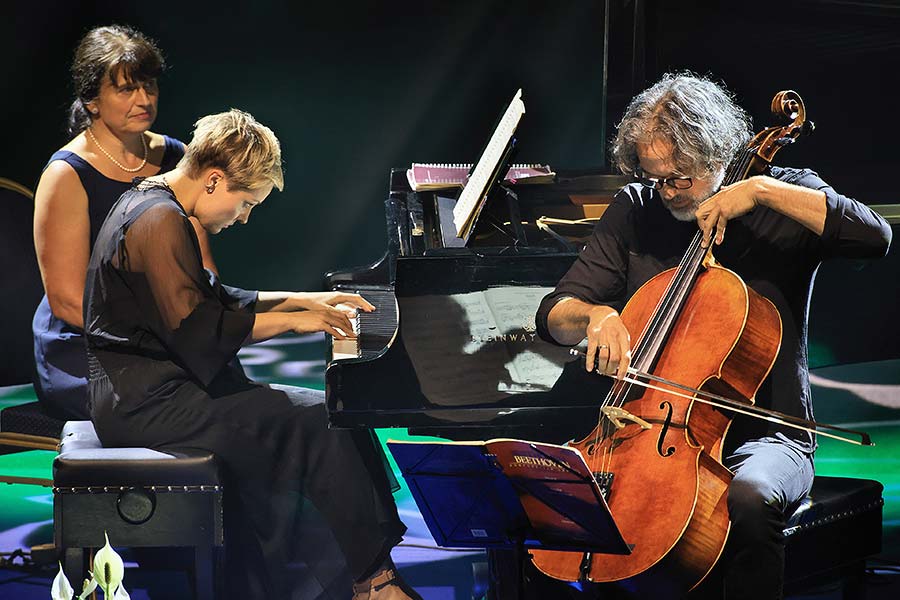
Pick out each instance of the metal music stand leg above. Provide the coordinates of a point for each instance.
(515, 216)
(521, 555)
(507, 572)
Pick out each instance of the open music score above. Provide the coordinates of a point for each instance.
(474, 193)
(431, 176)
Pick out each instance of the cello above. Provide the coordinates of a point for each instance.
(667, 436)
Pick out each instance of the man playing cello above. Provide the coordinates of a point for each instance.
(677, 138)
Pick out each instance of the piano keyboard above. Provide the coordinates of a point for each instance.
(375, 330)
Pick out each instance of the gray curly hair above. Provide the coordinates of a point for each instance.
(697, 116)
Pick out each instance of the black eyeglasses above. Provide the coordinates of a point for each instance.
(679, 183)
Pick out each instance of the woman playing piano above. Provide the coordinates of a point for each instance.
(161, 339)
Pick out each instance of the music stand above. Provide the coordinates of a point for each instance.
(508, 494)
(459, 217)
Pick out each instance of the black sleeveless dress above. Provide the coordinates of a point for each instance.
(59, 356)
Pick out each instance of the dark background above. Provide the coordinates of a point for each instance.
(355, 88)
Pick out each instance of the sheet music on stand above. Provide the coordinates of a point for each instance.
(506, 493)
(487, 169)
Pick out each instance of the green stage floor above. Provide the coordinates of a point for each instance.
(864, 397)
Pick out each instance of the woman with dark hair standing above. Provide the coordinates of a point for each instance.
(114, 73)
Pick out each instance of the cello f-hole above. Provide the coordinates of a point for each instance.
(662, 434)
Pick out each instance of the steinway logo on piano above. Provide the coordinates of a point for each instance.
(536, 462)
(526, 334)
(522, 336)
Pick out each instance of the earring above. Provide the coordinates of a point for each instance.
(94, 111)
(210, 188)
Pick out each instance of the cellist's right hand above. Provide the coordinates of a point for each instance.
(608, 343)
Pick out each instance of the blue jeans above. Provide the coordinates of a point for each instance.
(770, 479)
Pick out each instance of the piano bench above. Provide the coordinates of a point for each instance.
(30, 419)
(830, 536)
(26, 427)
(140, 498)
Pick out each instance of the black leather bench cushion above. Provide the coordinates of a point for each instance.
(835, 498)
(29, 419)
(84, 462)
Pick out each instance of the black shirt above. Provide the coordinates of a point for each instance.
(637, 238)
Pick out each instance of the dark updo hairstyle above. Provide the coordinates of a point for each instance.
(106, 52)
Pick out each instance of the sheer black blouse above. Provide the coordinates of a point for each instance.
(154, 317)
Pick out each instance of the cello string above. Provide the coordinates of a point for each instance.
(665, 313)
(650, 338)
(647, 342)
(690, 265)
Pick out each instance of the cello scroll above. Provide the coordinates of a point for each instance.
(786, 104)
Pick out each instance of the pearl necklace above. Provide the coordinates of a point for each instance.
(117, 163)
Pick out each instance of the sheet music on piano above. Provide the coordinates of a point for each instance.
(474, 193)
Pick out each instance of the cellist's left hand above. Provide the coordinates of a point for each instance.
(728, 203)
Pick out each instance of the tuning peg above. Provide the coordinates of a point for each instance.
(808, 127)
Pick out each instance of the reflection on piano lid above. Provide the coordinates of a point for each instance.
(451, 348)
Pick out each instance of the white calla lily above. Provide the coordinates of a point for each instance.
(62, 589)
(109, 570)
(121, 594)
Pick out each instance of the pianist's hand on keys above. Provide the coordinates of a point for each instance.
(375, 329)
(332, 321)
(349, 306)
(348, 348)
(324, 300)
(331, 312)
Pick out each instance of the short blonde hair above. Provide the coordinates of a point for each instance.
(246, 150)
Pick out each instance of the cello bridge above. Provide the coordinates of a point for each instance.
(617, 414)
(604, 481)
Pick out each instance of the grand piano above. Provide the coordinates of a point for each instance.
(452, 350)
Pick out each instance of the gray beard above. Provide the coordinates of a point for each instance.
(685, 214)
